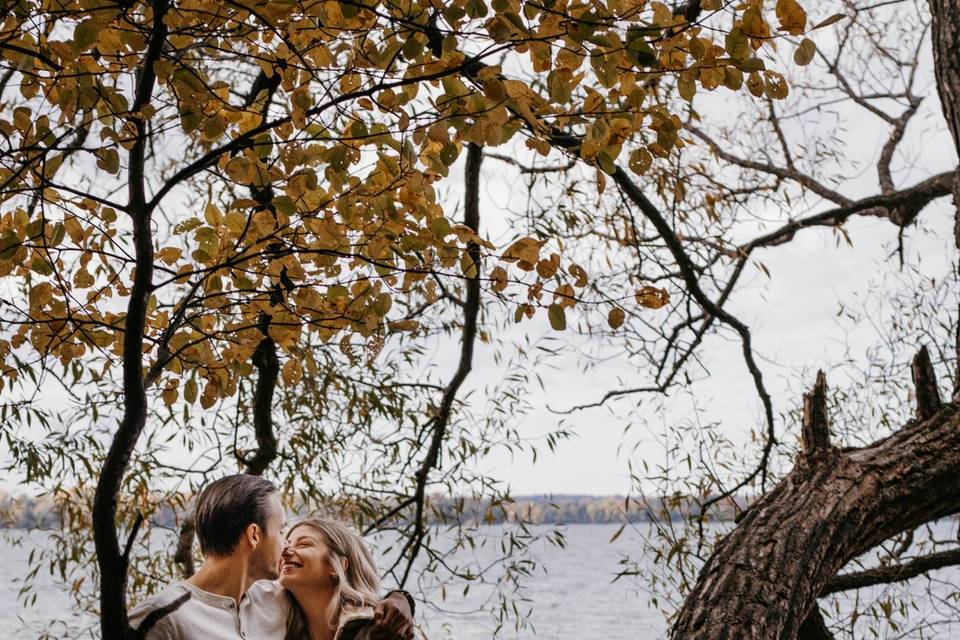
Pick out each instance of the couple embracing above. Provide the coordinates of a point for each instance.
(317, 582)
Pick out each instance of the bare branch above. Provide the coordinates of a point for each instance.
(892, 573)
(471, 312)
(693, 286)
(788, 172)
(908, 202)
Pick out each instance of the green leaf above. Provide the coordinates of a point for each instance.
(8, 246)
(737, 45)
(751, 64)
(85, 34)
(449, 153)
(618, 532)
(805, 52)
(687, 88)
(639, 50)
(557, 317)
(285, 205)
(108, 160)
(58, 232)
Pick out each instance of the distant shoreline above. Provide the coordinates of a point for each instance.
(27, 512)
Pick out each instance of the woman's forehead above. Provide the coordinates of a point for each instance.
(298, 531)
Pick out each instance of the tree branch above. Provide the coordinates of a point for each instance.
(892, 573)
(113, 566)
(693, 286)
(814, 627)
(912, 199)
(471, 311)
(268, 367)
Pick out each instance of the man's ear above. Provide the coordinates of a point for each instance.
(253, 534)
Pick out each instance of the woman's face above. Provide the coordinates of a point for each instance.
(305, 561)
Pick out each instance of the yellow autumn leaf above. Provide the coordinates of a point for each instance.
(652, 297)
(792, 17)
(169, 255)
(579, 273)
(525, 249)
(212, 214)
(557, 317)
(190, 391)
(548, 267)
(170, 394)
(498, 278)
(805, 52)
(292, 372)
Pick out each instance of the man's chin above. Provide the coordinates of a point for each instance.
(268, 574)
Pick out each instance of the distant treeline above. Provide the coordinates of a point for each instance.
(27, 512)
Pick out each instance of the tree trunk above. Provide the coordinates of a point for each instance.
(764, 578)
(111, 561)
(946, 44)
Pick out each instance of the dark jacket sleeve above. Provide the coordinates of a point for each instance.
(357, 630)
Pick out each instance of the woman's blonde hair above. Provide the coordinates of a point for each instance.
(357, 580)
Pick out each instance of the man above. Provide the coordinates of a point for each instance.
(239, 523)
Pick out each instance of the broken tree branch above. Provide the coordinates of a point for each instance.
(816, 425)
(925, 385)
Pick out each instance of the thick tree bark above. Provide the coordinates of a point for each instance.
(765, 576)
(946, 43)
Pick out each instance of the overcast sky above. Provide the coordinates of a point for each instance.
(793, 315)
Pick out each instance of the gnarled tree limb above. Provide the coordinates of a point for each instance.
(113, 567)
(764, 578)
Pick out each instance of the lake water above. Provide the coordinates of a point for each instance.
(576, 599)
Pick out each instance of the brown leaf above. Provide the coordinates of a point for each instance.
(652, 297)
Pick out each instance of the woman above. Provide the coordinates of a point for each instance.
(332, 579)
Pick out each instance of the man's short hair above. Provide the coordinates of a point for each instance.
(228, 506)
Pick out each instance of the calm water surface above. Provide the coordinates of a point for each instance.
(576, 599)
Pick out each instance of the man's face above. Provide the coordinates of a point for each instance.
(266, 558)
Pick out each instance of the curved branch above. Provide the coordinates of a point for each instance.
(268, 367)
(693, 286)
(912, 199)
(471, 310)
(113, 566)
(789, 173)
